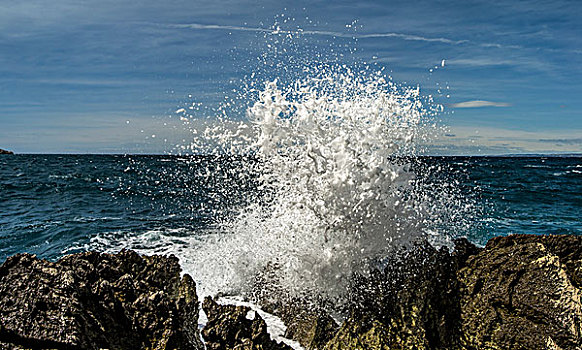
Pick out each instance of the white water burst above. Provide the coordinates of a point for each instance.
(331, 151)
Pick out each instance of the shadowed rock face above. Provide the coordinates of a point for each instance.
(91, 301)
(3, 151)
(412, 303)
(519, 292)
(237, 328)
(307, 321)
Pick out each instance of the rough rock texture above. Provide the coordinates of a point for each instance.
(307, 321)
(92, 300)
(3, 151)
(310, 326)
(236, 328)
(410, 304)
(520, 292)
(313, 329)
(523, 292)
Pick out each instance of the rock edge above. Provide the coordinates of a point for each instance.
(93, 301)
(518, 292)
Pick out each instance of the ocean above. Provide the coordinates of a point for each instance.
(56, 204)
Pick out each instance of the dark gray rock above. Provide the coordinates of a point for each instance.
(229, 327)
(92, 301)
(307, 320)
(519, 292)
(3, 151)
(307, 323)
(412, 303)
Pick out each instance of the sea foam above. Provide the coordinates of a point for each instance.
(335, 154)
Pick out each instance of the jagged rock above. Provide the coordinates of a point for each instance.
(92, 301)
(307, 321)
(412, 303)
(519, 292)
(237, 328)
(366, 333)
(523, 292)
(3, 151)
(313, 329)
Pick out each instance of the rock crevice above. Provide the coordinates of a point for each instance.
(92, 301)
(518, 292)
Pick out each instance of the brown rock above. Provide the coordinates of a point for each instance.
(92, 300)
(411, 303)
(307, 320)
(237, 328)
(523, 292)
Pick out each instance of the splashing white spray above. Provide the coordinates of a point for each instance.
(331, 151)
(333, 148)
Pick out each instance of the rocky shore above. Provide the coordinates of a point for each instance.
(3, 151)
(518, 292)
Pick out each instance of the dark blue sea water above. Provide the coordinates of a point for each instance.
(55, 204)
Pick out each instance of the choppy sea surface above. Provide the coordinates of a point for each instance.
(51, 205)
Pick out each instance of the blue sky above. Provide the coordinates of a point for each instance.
(74, 73)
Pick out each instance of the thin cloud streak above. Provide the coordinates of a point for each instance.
(499, 140)
(275, 31)
(408, 37)
(573, 141)
(479, 103)
(403, 36)
(221, 27)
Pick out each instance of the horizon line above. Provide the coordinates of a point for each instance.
(570, 154)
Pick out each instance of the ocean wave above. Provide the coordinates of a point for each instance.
(164, 241)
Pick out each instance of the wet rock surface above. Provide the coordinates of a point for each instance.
(411, 303)
(309, 325)
(307, 320)
(92, 301)
(518, 292)
(237, 328)
(3, 151)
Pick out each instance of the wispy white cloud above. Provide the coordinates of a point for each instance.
(518, 61)
(403, 36)
(479, 103)
(355, 35)
(482, 62)
(221, 27)
(563, 141)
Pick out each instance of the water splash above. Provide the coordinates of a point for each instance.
(329, 150)
(335, 154)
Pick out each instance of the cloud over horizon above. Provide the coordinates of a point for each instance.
(572, 141)
(479, 104)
